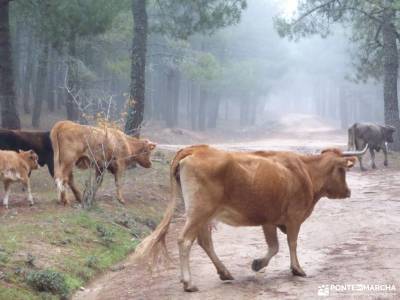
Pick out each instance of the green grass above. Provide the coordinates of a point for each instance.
(63, 239)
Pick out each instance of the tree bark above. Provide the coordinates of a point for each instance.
(138, 69)
(202, 109)
(72, 83)
(194, 104)
(40, 91)
(391, 70)
(9, 114)
(213, 111)
(26, 91)
(172, 98)
(51, 93)
(344, 119)
(244, 111)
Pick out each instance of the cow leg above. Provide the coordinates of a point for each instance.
(361, 164)
(292, 235)
(271, 237)
(198, 217)
(372, 152)
(359, 144)
(385, 152)
(62, 177)
(27, 184)
(7, 194)
(50, 167)
(75, 191)
(117, 178)
(205, 241)
(185, 242)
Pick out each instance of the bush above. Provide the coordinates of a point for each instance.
(92, 262)
(48, 281)
(105, 234)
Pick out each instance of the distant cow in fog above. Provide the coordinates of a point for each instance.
(376, 136)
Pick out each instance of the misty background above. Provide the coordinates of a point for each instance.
(235, 77)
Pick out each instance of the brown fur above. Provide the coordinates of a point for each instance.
(107, 148)
(17, 167)
(264, 188)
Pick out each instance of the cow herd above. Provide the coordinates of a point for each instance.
(272, 189)
(66, 146)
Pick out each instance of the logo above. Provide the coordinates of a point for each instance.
(326, 290)
(323, 290)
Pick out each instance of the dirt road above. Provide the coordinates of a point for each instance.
(353, 242)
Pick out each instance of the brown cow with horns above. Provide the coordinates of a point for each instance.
(271, 189)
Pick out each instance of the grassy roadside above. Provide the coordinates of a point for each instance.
(62, 248)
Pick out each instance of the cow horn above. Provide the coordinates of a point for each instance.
(355, 153)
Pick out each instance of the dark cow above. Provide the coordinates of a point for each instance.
(374, 135)
(38, 141)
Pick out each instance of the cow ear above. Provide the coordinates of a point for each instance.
(350, 162)
(152, 145)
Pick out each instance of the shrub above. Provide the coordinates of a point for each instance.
(48, 281)
(105, 234)
(92, 262)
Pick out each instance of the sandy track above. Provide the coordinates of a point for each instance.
(352, 241)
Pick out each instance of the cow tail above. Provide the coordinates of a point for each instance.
(56, 151)
(152, 246)
(352, 138)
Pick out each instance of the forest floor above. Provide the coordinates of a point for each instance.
(79, 244)
(353, 242)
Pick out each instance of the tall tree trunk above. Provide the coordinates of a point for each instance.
(9, 114)
(391, 70)
(213, 111)
(27, 82)
(51, 93)
(202, 109)
(41, 84)
(194, 105)
(60, 90)
(173, 98)
(17, 58)
(138, 69)
(72, 83)
(344, 120)
(244, 111)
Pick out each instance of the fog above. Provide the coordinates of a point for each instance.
(228, 73)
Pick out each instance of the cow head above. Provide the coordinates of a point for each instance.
(31, 158)
(388, 133)
(141, 151)
(336, 164)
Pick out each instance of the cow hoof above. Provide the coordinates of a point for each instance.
(30, 204)
(363, 169)
(385, 163)
(225, 276)
(257, 265)
(373, 166)
(298, 272)
(190, 288)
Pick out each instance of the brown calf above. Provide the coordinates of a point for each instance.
(17, 167)
(264, 188)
